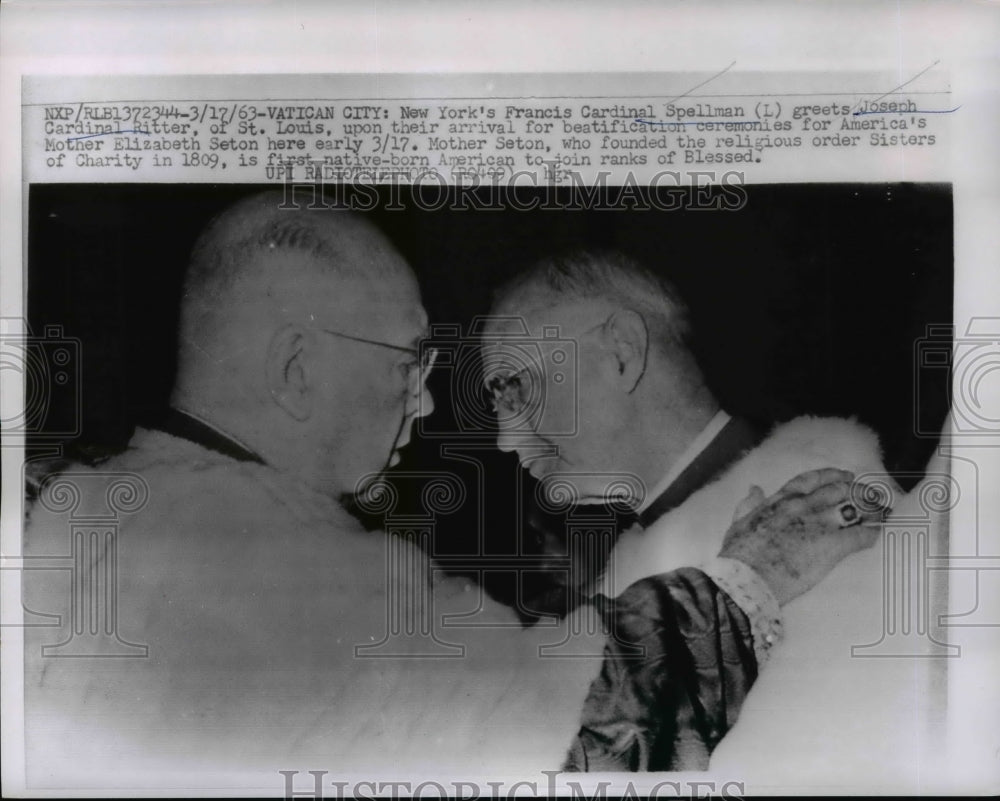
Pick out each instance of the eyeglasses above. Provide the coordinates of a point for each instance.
(509, 396)
(416, 371)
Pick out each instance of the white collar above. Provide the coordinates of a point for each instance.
(698, 444)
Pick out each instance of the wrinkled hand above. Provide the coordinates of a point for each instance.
(799, 534)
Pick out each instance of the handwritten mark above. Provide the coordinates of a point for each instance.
(700, 120)
(707, 80)
(904, 111)
(905, 83)
(107, 133)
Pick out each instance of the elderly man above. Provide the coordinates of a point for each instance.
(644, 408)
(267, 629)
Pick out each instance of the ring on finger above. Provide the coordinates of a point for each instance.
(849, 515)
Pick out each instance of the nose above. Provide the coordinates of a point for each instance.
(418, 404)
(506, 441)
(424, 401)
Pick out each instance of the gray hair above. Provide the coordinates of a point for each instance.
(261, 224)
(239, 282)
(613, 276)
(234, 249)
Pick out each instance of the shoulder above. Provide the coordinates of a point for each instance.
(811, 443)
(205, 547)
(692, 532)
(827, 436)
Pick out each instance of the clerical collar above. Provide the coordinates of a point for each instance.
(713, 451)
(194, 429)
(698, 444)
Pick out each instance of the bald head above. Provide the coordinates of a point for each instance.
(259, 261)
(293, 325)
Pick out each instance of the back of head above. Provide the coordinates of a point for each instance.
(605, 275)
(260, 263)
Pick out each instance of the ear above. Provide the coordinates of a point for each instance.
(628, 339)
(287, 376)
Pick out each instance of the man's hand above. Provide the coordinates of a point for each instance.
(799, 534)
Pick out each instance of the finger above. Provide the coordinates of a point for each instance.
(853, 539)
(872, 515)
(804, 483)
(836, 493)
(847, 514)
(786, 510)
(754, 499)
(841, 515)
(872, 499)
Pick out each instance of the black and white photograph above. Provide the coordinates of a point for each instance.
(484, 423)
(637, 457)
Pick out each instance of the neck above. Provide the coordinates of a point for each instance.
(669, 432)
(200, 411)
(230, 421)
(283, 444)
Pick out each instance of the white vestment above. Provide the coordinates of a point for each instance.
(825, 710)
(253, 596)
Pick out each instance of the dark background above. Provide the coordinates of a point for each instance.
(810, 299)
